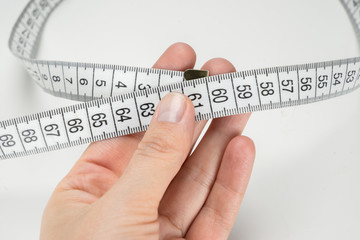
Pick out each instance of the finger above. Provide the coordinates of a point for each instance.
(103, 162)
(195, 179)
(179, 57)
(218, 214)
(159, 155)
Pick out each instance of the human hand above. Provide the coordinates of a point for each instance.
(147, 186)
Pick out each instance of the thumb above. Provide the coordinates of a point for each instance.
(160, 154)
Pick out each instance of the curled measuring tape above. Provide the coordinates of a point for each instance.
(121, 100)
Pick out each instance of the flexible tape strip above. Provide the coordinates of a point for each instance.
(128, 95)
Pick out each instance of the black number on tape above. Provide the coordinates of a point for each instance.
(350, 76)
(143, 87)
(75, 125)
(7, 140)
(323, 81)
(56, 78)
(267, 88)
(288, 85)
(337, 76)
(52, 130)
(120, 85)
(195, 96)
(100, 83)
(83, 81)
(306, 84)
(99, 120)
(148, 109)
(122, 114)
(69, 80)
(29, 135)
(219, 95)
(244, 91)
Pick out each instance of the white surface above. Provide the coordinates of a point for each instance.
(305, 180)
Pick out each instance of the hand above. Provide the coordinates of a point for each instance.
(148, 186)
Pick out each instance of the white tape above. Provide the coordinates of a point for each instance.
(123, 99)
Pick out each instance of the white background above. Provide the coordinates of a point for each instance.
(305, 183)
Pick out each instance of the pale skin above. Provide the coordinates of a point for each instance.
(147, 185)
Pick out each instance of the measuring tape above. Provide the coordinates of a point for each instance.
(120, 100)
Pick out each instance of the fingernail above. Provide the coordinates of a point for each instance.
(172, 107)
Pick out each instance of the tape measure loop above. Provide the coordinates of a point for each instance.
(121, 100)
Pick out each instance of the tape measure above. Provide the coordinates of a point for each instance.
(120, 100)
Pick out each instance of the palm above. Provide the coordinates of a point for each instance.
(201, 200)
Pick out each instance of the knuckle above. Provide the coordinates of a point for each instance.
(220, 217)
(156, 145)
(160, 143)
